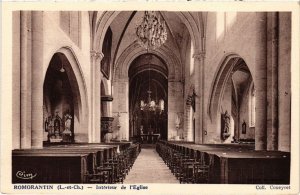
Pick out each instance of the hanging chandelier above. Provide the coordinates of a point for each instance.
(152, 32)
(62, 68)
(149, 104)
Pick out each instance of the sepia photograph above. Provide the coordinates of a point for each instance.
(131, 98)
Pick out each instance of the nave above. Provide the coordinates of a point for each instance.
(89, 88)
(150, 168)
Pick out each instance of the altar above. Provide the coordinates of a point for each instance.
(149, 138)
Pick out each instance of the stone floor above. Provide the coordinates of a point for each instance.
(150, 168)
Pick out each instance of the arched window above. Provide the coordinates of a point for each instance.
(106, 50)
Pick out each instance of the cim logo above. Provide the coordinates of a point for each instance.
(24, 175)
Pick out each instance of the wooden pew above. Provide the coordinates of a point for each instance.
(49, 167)
(108, 150)
(95, 156)
(56, 161)
(91, 155)
(114, 157)
(238, 164)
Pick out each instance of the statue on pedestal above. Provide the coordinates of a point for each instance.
(226, 125)
(68, 122)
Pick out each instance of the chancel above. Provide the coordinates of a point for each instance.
(202, 97)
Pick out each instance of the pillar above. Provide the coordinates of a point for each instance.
(95, 113)
(284, 82)
(121, 106)
(261, 82)
(16, 80)
(272, 80)
(187, 119)
(37, 80)
(199, 89)
(106, 116)
(25, 63)
(175, 106)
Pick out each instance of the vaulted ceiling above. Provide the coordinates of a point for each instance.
(241, 79)
(123, 29)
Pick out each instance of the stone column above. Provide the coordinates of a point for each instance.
(284, 82)
(272, 80)
(199, 87)
(25, 69)
(175, 105)
(106, 117)
(121, 94)
(16, 80)
(37, 80)
(187, 117)
(95, 113)
(261, 82)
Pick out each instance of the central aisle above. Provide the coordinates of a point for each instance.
(150, 168)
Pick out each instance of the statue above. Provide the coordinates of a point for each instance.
(108, 137)
(50, 127)
(46, 124)
(57, 124)
(226, 118)
(244, 127)
(226, 125)
(177, 125)
(178, 120)
(54, 128)
(68, 122)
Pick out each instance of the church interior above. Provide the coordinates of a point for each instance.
(110, 96)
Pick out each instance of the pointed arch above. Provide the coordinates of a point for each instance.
(229, 63)
(77, 85)
(135, 50)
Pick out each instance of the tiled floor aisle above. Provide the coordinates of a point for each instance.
(150, 168)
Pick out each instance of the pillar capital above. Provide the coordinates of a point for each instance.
(97, 55)
(199, 55)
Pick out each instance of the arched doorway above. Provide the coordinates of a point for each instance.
(148, 96)
(232, 101)
(61, 101)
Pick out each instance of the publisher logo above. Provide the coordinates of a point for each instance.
(24, 175)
